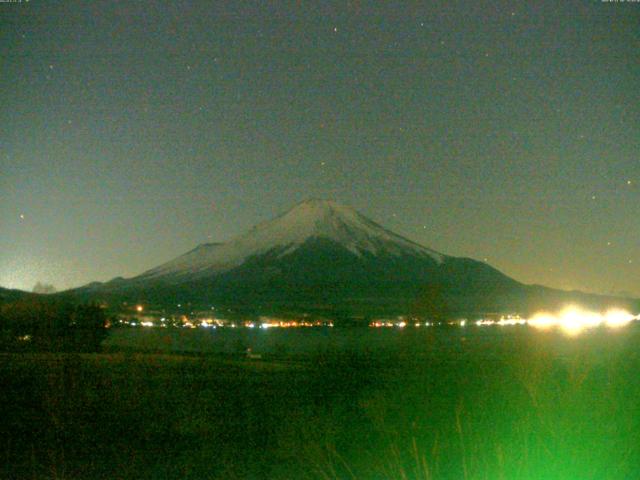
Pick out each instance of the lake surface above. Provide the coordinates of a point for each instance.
(409, 341)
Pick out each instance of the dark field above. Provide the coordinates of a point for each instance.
(472, 405)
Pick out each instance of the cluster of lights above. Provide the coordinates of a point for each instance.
(214, 323)
(397, 324)
(571, 320)
(508, 320)
(294, 324)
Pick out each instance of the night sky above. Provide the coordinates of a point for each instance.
(508, 132)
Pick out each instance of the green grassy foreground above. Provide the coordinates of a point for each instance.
(537, 406)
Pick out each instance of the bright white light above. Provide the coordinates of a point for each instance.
(146, 324)
(574, 320)
(571, 321)
(463, 323)
(511, 321)
(543, 321)
(482, 322)
(618, 318)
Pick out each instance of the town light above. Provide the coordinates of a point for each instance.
(617, 318)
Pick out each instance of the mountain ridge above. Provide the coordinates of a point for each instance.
(312, 218)
(325, 257)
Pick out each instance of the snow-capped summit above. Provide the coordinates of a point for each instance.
(327, 258)
(311, 219)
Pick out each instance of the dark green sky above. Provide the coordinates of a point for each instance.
(505, 131)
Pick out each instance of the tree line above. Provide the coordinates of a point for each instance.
(35, 324)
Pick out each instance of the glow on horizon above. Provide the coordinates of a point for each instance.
(574, 320)
(619, 318)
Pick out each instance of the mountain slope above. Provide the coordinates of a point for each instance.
(322, 256)
(287, 233)
(10, 295)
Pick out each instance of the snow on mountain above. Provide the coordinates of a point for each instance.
(308, 220)
(329, 258)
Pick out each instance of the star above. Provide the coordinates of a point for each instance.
(22, 216)
(335, 29)
(50, 67)
(629, 182)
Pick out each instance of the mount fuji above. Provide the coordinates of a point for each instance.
(327, 258)
(312, 220)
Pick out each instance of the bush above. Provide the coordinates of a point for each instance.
(39, 325)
